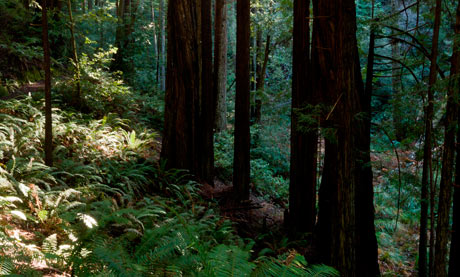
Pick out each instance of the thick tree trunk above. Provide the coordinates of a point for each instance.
(346, 172)
(445, 192)
(207, 111)
(47, 68)
(302, 188)
(241, 161)
(189, 104)
(220, 64)
(181, 99)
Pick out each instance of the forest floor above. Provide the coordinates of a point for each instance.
(262, 220)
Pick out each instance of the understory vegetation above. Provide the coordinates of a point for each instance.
(108, 207)
(113, 204)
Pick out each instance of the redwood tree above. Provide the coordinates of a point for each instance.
(241, 160)
(302, 188)
(207, 103)
(346, 186)
(187, 140)
(445, 191)
(220, 64)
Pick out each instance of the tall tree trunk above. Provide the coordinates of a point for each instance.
(241, 161)
(220, 64)
(47, 68)
(367, 248)
(162, 46)
(302, 187)
(346, 172)
(427, 176)
(454, 260)
(182, 91)
(207, 111)
(427, 181)
(90, 5)
(445, 192)
(75, 56)
(189, 100)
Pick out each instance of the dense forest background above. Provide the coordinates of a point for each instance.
(229, 138)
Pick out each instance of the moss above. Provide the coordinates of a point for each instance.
(3, 91)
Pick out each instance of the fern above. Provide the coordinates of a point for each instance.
(230, 261)
(6, 266)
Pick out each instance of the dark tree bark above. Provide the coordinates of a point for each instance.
(241, 161)
(220, 64)
(182, 86)
(207, 106)
(346, 171)
(47, 68)
(427, 176)
(454, 259)
(90, 5)
(188, 100)
(302, 187)
(367, 248)
(445, 192)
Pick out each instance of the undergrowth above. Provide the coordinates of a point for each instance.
(107, 207)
